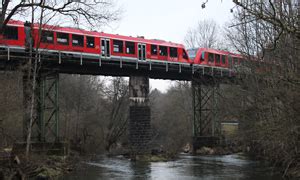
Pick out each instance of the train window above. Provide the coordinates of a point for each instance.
(163, 51)
(105, 47)
(184, 54)
(229, 60)
(11, 33)
(130, 47)
(223, 59)
(173, 52)
(90, 42)
(77, 40)
(211, 57)
(47, 37)
(241, 60)
(153, 49)
(192, 53)
(118, 46)
(217, 56)
(62, 38)
(202, 56)
(235, 61)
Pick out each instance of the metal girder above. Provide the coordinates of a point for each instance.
(45, 122)
(48, 107)
(205, 108)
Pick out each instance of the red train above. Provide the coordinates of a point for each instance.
(92, 44)
(215, 58)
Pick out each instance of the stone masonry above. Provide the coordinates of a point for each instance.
(140, 115)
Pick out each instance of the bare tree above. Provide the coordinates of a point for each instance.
(95, 111)
(81, 104)
(89, 12)
(268, 32)
(10, 104)
(204, 34)
(117, 93)
(171, 117)
(81, 13)
(282, 14)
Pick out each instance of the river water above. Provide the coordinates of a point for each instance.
(226, 167)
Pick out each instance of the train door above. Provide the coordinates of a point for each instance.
(105, 48)
(141, 51)
(229, 62)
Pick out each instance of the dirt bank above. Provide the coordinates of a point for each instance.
(38, 166)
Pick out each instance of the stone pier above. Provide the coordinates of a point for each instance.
(140, 115)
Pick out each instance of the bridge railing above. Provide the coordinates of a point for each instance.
(81, 63)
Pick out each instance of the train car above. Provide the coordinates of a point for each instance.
(209, 57)
(238, 63)
(91, 44)
(13, 36)
(235, 60)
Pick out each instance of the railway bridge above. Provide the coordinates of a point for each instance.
(45, 127)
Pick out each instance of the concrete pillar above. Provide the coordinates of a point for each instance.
(139, 114)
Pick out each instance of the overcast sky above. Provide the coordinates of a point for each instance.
(167, 19)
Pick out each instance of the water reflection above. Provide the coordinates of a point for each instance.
(141, 170)
(231, 167)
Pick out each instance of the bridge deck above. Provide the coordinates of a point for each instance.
(70, 64)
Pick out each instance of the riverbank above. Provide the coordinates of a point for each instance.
(290, 171)
(37, 167)
(49, 167)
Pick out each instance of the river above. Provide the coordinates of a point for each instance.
(226, 167)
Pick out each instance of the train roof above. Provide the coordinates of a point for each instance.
(215, 51)
(99, 34)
